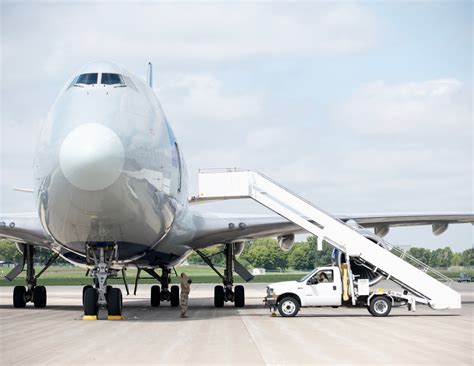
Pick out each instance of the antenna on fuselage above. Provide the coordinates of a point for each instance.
(150, 75)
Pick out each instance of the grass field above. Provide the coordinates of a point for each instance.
(62, 276)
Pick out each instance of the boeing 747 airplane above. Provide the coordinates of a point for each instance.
(111, 192)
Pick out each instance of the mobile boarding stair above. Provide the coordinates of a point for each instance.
(390, 261)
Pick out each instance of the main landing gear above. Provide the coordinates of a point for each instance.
(102, 295)
(31, 293)
(227, 292)
(163, 293)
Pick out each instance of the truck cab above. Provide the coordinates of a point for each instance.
(321, 287)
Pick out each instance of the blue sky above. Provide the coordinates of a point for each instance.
(362, 107)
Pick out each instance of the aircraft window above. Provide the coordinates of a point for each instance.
(111, 79)
(87, 79)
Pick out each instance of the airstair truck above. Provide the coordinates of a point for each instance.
(331, 286)
(363, 258)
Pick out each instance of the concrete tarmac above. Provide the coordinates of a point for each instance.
(57, 335)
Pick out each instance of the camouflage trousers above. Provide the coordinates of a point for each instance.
(184, 303)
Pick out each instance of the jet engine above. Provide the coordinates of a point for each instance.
(358, 268)
(286, 242)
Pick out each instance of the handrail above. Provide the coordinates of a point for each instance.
(407, 257)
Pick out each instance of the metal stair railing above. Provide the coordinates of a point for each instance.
(401, 253)
(402, 267)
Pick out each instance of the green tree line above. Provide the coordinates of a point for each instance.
(265, 253)
(10, 253)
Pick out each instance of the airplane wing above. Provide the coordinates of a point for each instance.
(24, 228)
(220, 228)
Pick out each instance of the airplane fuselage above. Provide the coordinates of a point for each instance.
(108, 168)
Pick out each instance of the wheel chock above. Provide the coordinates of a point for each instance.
(115, 317)
(273, 314)
(89, 317)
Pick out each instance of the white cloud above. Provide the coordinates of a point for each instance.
(387, 147)
(201, 100)
(177, 33)
(433, 107)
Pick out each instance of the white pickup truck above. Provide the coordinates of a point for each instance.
(334, 286)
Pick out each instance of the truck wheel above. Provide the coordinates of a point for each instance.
(288, 307)
(380, 306)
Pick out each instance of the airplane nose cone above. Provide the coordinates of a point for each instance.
(91, 157)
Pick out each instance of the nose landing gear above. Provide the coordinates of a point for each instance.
(102, 295)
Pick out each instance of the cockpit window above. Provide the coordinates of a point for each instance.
(111, 79)
(87, 79)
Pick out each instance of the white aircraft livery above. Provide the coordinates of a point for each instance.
(111, 192)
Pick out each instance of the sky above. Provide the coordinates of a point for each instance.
(361, 107)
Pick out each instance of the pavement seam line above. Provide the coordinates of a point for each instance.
(252, 338)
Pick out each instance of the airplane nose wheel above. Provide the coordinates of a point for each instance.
(102, 295)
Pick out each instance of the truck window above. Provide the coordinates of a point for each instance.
(324, 276)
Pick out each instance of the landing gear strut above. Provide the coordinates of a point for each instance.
(227, 292)
(32, 292)
(102, 295)
(165, 293)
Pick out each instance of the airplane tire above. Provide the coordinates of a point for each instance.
(19, 300)
(114, 301)
(219, 296)
(155, 297)
(174, 299)
(380, 306)
(91, 307)
(239, 296)
(84, 289)
(288, 307)
(39, 297)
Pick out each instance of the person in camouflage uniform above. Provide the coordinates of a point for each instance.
(185, 288)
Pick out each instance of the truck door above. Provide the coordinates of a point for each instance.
(325, 289)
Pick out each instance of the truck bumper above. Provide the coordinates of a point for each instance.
(270, 301)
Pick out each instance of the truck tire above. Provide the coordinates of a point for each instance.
(288, 307)
(380, 306)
